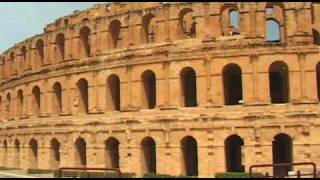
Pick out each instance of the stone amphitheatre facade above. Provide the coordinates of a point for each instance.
(168, 88)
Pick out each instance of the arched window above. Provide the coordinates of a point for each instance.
(112, 153)
(187, 23)
(232, 81)
(234, 20)
(318, 79)
(20, 103)
(40, 53)
(16, 154)
(149, 28)
(85, 41)
(279, 82)
(233, 152)
(80, 153)
(189, 149)
(5, 154)
(188, 82)
(282, 153)
(83, 99)
(33, 154)
(114, 30)
(60, 46)
(148, 89)
(272, 31)
(54, 153)
(24, 57)
(316, 37)
(113, 93)
(8, 106)
(57, 98)
(36, 100)
(149, 161)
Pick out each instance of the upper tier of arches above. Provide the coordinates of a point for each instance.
(84, 36)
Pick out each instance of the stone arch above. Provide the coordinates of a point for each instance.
(40, 53)
(54, 153)
(149, 92)
(60, 46)
(232, 84)
(275, 13)
(33, 154)
(233, 153)
(57, 98)
(316, 37)
(187, 23)
(230, 19)
(85, 41)
(112, 153)
(115, 33)
(318, 79)
(113, 93)
(5, 154)
(149, 28)
(8, 106)
(149, 157)
(282, 153)
(20, 102)
(189, 150)
(83, 99)
(279, 82)
(80, 152)
(36, 100)
(188, 81)
(273, 32)
(16, 153)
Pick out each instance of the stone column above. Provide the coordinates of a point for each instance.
(207, 64)
(301, 59)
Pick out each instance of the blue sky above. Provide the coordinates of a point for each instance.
(21, 20)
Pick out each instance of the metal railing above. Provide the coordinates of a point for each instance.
(88, 168)
(286, 165)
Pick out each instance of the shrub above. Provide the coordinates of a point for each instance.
(152, 175)
(84, 174)
(238, 175)
(39, 171)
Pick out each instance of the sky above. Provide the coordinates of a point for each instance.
(21, 20)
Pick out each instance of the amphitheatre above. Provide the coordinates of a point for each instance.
(168, 88)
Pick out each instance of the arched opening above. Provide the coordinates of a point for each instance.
(40, 53)
(233, 152)
(190, 156)
(318, 79)
(113, 93)
(20, 103)
(316, 37)
(57, 98)
(234, 20)
(149, 28)
(60, 46)
(187, 23)
(82, 85)
(188, 80)
(282, 153)
(114, 30)
(272, 31)
(5, 154)
(36, 100)
(85, 41)
(33, 154)
(279, 82)
(148, 89)
(149, 161)
(54, 153)
(81, 153)
(16, 154)
(232, 83)
(112, 153)
(8, 106)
